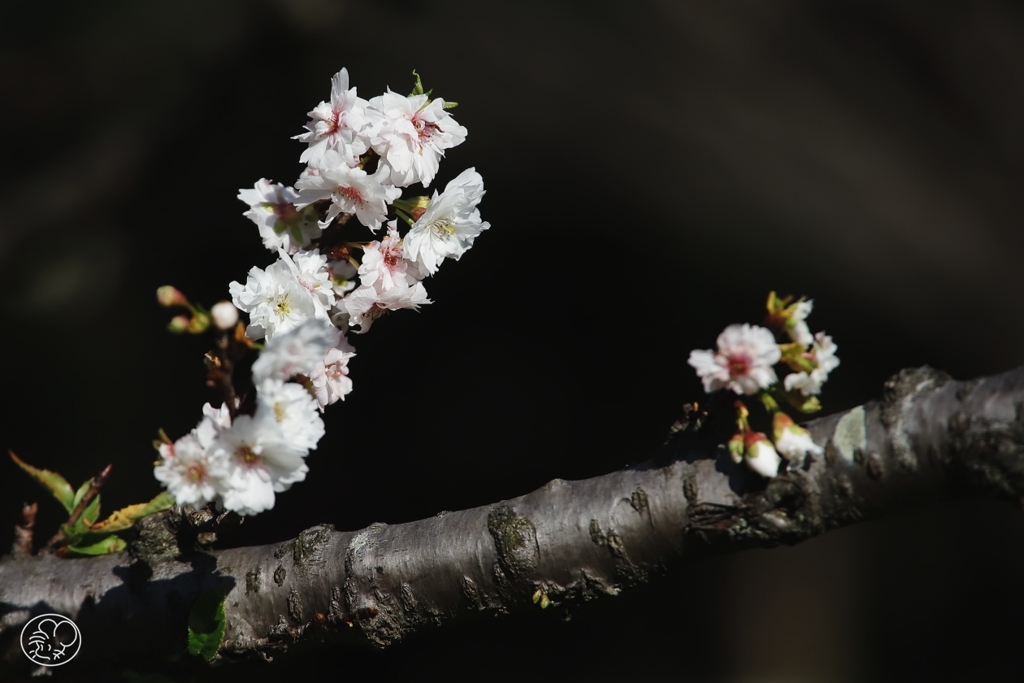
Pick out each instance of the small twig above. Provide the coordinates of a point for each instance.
(220, 364)
(23, 532)
(94, 488)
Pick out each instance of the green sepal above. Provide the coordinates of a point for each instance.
(206, 624)
(51, 481)
(87, 545)
(449, 105)
(805, 404)
(125, 518)
(417, 88)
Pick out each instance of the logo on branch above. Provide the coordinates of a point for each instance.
(50, 640)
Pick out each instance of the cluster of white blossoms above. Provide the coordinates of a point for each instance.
(359, 156)
(745, 363)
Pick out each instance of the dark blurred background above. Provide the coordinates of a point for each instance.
(652, 170)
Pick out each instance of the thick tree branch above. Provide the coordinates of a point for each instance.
(930, 438)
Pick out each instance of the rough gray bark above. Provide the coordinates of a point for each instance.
(929, 438)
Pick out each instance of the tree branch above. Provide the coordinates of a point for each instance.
(930, 438)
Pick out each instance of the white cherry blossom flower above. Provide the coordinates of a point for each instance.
(365, 304)
(189, 473)
(411, 136)
(351, 190)
(260, 463)
(286, 294)
(330, 381)
(214, 420)
(823, 356)
(296, 352)
(294, 410)
(384, 265)
(743, 363)
(449, 225)
(310, 270)
(336, 125)
(282, 225)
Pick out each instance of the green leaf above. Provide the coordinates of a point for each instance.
(53, 482)
(104, 546)
(206, 625)
(125, 518)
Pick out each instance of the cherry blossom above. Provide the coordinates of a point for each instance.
(282, 224)
(743, 363)
(294, 410)
(384, 264)
(260, 463)
(189, 473)
(336, 126)
(412, 135)
(350, 190)
(823, 356)
(286, 294)
(297, 352)
(330, 380)
(449, 225)
(365, 304)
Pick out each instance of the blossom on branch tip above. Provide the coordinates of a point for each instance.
(822, 356)
(336, 125)
(743, 362)
(449, 225)
(282, 224)
(410, 134)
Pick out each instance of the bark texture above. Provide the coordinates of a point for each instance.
(929, 438)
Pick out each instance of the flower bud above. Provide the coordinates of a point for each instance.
(170, 296)
(179, 324)
(225, 315)
(761, 455)
(794, 443)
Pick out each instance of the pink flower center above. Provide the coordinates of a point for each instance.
(351, 193)
(739, 365)
(196, 472)
(425, 129)
(337, 116)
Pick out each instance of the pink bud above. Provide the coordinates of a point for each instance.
(170, 296)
